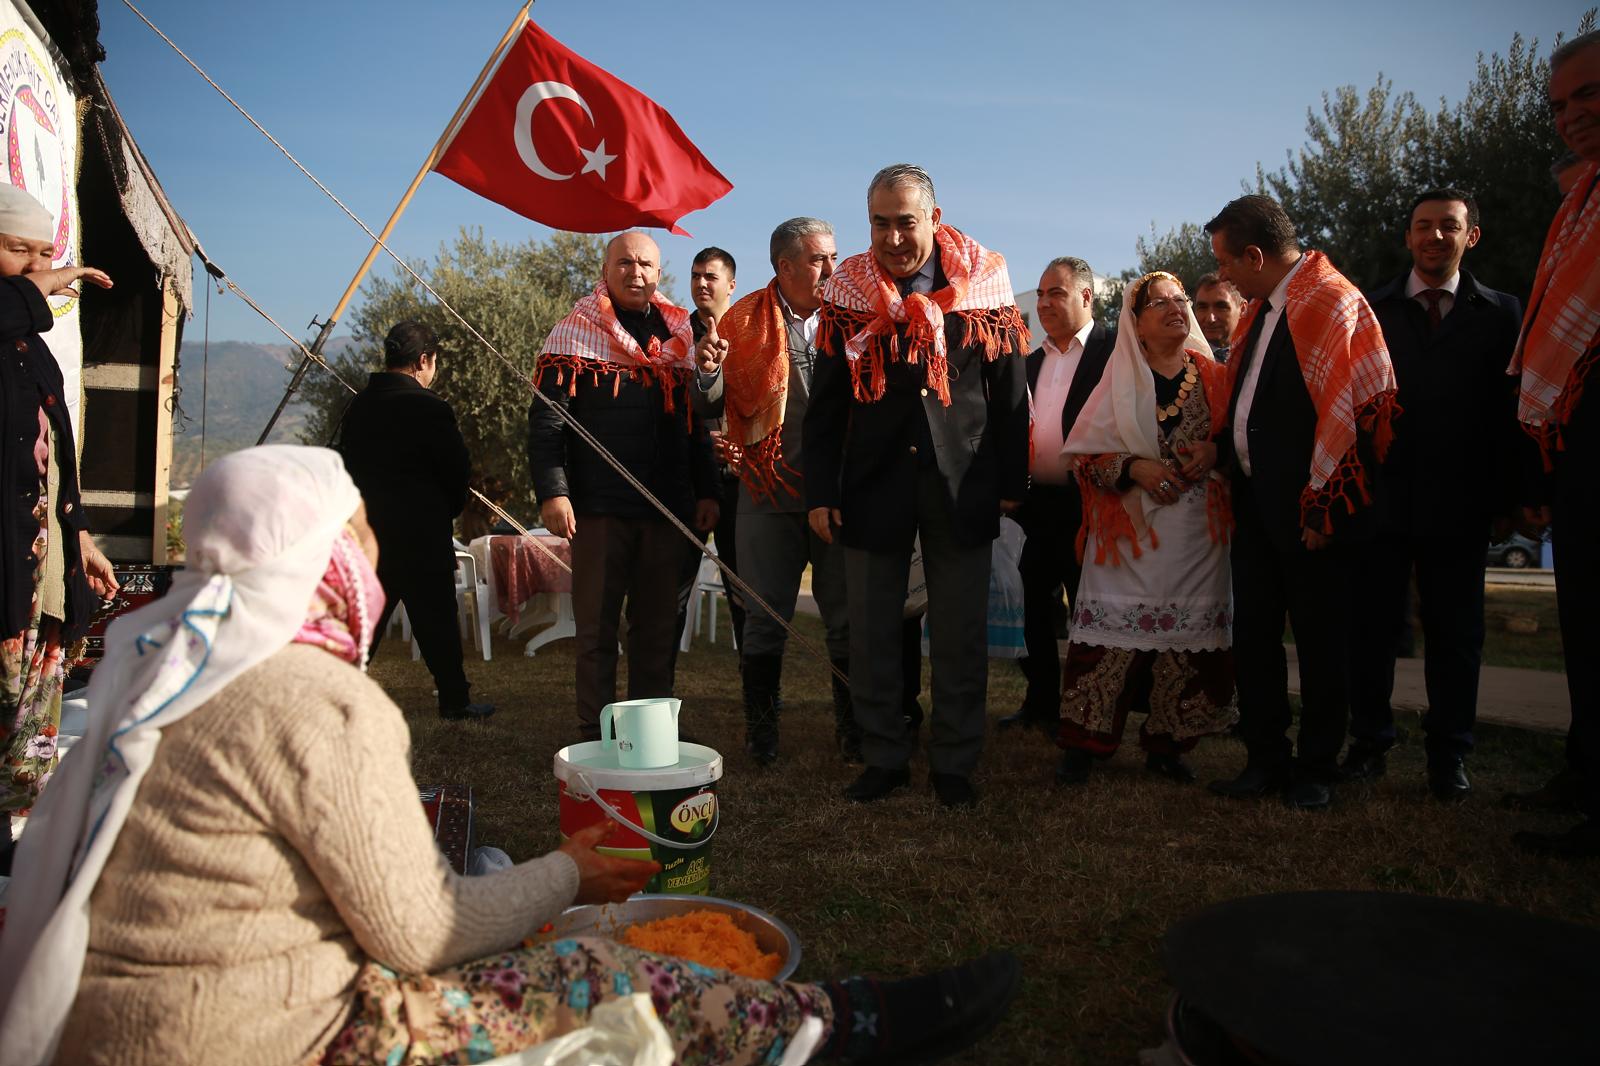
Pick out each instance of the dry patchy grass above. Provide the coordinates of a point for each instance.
(1081, 883)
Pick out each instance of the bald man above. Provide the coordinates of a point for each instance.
(619, 362)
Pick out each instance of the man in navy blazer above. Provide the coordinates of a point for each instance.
(1061, 373)
(1451, 472)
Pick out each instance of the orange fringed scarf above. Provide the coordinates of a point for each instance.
(1557, 349)
(862, 304)
(1348, 374)
(590, 340)
(1107, 516)
(756, 390)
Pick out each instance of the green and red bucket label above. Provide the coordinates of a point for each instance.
(684, 816)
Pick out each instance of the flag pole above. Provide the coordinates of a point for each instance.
(388, 227)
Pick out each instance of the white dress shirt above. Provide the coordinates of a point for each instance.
(1415, 286)
(1060, 366)
(1252, 375)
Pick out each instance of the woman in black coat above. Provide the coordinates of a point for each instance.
(50, 570)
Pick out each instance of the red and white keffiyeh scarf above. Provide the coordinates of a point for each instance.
(590, 340)
(862, 303)
(1561, 330)
(1347, 371)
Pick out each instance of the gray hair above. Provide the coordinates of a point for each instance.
(1081, 274)
(901, 175)
(1572, 48)
(787, 237)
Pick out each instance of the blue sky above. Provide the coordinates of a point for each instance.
(1049, 128)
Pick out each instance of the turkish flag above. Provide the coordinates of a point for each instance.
(557, 139)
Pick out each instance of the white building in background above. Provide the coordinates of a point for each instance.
(1103, 286)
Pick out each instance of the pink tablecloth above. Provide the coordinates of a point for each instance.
(522, 570)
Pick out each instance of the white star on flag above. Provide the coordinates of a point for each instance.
(597, 160)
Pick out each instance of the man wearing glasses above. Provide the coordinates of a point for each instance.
(761, 355)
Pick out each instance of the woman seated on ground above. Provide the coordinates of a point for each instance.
(234, 862)
(1151, 621)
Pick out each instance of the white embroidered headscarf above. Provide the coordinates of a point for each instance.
(261, 526)
(1120, 414)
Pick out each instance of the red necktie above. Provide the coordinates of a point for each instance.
(1433, 296)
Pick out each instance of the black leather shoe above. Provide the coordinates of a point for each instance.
(1074, 767)
(470, 710)
(953, 790)
(1305, 794)
(1365, 761)
(1582, 841)
(1170, 766)
(1447, 779)
(1560, 793)
(1028, 719)
(877, 782)
(1254, 782)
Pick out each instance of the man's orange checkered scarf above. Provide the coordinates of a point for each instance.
(1348, 374)
(862, 304)
(590, 340)
(1560, 339)
(755, 378)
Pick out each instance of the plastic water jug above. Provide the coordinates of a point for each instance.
(645, 732)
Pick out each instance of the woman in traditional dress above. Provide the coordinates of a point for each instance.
(234, 865)
(1152, 615)
(49, 566)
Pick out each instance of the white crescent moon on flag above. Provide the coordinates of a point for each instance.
(535, 95)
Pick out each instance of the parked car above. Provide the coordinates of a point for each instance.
(1516, 551)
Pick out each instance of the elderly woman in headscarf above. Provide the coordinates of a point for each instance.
(1151, 621)
(49, 566)
(234, 862)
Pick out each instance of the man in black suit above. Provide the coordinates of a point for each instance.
(1298, 512)
(918, 425)
(1061, 373)
(1450, 339)
(404, 451)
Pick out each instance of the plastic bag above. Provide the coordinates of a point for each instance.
(1006, 639)
(621, 1032)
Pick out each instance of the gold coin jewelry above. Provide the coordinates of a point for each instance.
(1190, 376)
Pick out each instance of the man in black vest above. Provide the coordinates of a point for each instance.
(918, 425)
(1450, 339)
(1061, 373)
(404, 451)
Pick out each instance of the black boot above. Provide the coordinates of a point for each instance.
(846, 730)
(762, 705)
(920, 1019)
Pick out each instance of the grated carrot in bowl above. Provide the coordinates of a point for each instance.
(710, 938)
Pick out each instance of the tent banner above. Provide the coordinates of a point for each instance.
(39, 139)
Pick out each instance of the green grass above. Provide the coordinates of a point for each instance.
(1081, 884)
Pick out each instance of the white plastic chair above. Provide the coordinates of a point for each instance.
(473, 602)
(707, 587)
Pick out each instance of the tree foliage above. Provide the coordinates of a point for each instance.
(1349, 188)
(512, 294)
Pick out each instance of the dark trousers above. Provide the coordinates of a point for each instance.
(777, 547)
(1450, 596)
(429, 594)
(1575, 532)
(1314, 590)
(1049, 563)
(637, 559)
(958, 606)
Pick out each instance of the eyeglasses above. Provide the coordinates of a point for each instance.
(1161, 303)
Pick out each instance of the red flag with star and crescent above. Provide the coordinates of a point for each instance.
(558, 140)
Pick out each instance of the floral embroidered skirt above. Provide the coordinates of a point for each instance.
(1186, 694)
(32, 670)
(501, 1004)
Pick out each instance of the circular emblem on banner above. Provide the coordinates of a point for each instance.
(34, 128)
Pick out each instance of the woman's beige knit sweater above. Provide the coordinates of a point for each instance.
(276, 844)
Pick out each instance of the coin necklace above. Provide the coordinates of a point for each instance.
(1190, 376)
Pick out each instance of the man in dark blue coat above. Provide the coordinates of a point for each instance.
(1450, 472)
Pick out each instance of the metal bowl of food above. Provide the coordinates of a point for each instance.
(610, 919)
